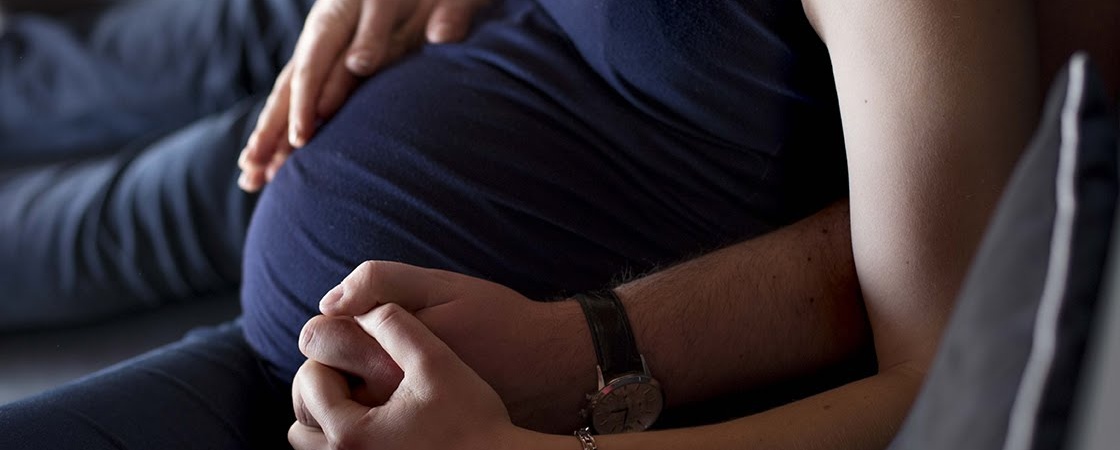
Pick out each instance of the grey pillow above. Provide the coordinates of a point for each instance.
(1007, 370)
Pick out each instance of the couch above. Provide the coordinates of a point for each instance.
(975, 394)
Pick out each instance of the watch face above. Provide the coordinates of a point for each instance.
(629, 403)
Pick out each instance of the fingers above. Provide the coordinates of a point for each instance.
(269, 147)
(335, 92)
(325, 398)
(268, 137)
(378, 282)
(411, 344)
(252, 178)
(450, 21)
(440, 397)
(303, 417)
(369, 29)
(279, 157)
(328, 30)
(370, 47)
(340, 343)
(303, 437)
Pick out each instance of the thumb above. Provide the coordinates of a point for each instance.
(418, 352)
(376, 283)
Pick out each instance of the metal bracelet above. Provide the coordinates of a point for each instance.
(586, 439)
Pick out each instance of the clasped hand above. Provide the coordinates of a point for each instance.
(386, 363)
(342, 42)
(440, 403)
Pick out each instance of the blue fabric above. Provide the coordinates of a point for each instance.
(119, 134)
(94, 84)
(155, 223)
(206, 392)
(517, 157)
(744, 73)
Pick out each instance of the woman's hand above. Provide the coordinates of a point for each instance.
(498, 332)
(440, 404)
(342, 41)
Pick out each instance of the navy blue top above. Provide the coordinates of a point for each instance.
(563, 144)
(746, 73)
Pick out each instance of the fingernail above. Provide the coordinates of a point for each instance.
(360, 63)
(247, 183)
(243, 158)
(333, 297)
(439, 34)
(295, 135)
(270, 173)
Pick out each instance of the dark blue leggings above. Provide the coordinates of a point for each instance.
(208, 391)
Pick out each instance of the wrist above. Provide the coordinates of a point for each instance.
(628, 397)
(564, 365)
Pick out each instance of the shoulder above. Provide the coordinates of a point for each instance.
(1062, 26)
(829, 17)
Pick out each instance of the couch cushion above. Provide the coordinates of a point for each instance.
(1098, 399)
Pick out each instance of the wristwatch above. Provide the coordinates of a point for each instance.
(628, 398)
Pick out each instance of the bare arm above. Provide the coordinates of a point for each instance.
(779, 306)
(937, 99)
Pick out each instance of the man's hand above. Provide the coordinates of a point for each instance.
(440, 404)
(524, 349)
(342, 41)
(342, 344)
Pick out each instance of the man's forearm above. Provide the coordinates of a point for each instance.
(781, 305)
(861, 415)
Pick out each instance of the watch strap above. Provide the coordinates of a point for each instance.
(611, 335)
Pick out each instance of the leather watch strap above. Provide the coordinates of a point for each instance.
(610, 333)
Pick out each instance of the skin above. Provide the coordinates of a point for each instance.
(342, 42)
(937, 104)
(489, 325)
